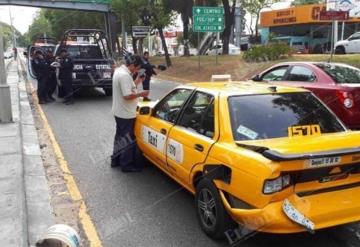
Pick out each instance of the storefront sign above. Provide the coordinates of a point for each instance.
(334, 15)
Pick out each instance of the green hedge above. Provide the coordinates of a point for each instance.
(269, 52)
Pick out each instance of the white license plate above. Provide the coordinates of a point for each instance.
(107, 75)
(325, 161)
(296, 216)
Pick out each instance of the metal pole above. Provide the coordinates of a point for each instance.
(217, 45)
(199, 48)
(5, 99)
(123, 32)
(12, 28)
(342, 30)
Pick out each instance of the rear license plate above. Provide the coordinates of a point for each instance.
(297, 217)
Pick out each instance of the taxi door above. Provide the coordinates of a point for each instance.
(154, 129)
(191, 138)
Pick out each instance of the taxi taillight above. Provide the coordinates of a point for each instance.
(272, 186)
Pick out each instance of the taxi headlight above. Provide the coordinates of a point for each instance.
(278, 184)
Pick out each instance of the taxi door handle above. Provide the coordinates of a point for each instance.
(163, 131)
(199, 147)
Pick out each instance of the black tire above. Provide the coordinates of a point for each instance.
(339, 50)
(108, 91)
(212, 216)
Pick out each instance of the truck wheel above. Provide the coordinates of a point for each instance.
(108, 91)
(211, 214)
(339, 50)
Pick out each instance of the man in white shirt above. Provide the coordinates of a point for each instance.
(125, 100)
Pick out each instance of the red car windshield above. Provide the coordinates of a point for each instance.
(341, 73)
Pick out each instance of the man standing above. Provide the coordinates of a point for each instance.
(125, 99)
(149, 72)
(65, 76)
(52, 76)
(41, 70)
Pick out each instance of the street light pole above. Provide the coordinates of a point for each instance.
(12, 28)
(5, 100)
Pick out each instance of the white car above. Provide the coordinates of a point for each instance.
(233, 50)
(349, 45)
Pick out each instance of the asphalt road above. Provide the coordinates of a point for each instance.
(148, 208)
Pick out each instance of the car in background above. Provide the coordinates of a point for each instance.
(349, 45)
(336, 84)
(8, 55)
(92, 58)
(257, 157)
(192, 51)
(218, 49)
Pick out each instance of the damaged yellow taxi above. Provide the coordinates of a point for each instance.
(269, 158)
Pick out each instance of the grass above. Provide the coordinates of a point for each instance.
(186, 69)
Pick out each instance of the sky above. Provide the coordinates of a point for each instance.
(24, 16)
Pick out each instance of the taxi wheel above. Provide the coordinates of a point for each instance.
(212, 216)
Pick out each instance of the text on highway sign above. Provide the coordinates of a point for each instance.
(208, 19)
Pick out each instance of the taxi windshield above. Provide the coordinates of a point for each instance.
(270, 115)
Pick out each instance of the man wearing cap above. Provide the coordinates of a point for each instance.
(125, 100)
(41, 69)
(65, 76)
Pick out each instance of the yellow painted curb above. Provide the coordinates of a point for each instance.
(85, 219)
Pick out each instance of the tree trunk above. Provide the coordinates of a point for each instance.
(257, 25)
(229, 21)
(134, 43)
(167, 57)
(141, 46)
(185, 20)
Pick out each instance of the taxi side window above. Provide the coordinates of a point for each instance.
(198, 115)
(168, 109)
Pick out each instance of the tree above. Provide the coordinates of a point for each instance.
(39, 27)
(229, 23)
(161, 17)
(254, 7)
(305, 2)
(8, 36)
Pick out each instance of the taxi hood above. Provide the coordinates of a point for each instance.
(300, 148)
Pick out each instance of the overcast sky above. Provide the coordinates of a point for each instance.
(22, 16)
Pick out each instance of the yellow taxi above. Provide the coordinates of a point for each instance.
(269, 158)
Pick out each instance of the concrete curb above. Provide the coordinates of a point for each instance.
(39, 212)
(25, 211)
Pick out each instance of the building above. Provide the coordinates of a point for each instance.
(302, 28)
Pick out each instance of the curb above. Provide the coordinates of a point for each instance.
(37, 198)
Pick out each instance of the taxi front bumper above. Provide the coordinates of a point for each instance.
(324, 210)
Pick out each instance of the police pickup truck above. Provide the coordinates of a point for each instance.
(92, 58)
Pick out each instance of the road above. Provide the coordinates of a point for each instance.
(148, 208)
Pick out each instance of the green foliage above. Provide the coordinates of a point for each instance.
(130, 10)
(272, 51)
(7, 34)
(305, 2)
(39, 27)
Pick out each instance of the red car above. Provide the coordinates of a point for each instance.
(337, 85)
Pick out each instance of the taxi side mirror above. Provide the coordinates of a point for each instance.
(256, 78)
(145, 110)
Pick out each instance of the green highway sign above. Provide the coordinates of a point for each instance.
(208, 19)
(208, 11)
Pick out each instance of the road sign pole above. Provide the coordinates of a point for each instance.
(5, 99)
(199, 48)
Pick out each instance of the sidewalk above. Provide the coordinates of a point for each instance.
(25, 211)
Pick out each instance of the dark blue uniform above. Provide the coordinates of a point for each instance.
(149, 72)
(42, 72)
(65, 75)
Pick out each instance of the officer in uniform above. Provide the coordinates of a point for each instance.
(52, 76)
(65, 76)
(149, 72)
(41, 69)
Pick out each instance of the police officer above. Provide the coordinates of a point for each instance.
(52, 77)
(149, 72)
(65, 76)
(41, 70)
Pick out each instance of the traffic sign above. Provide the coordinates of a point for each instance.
(334, 15)
(208, 19)
(140, 31)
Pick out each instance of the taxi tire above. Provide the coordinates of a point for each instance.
(223, 220)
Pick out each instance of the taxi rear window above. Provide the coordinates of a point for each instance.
(270, 115)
